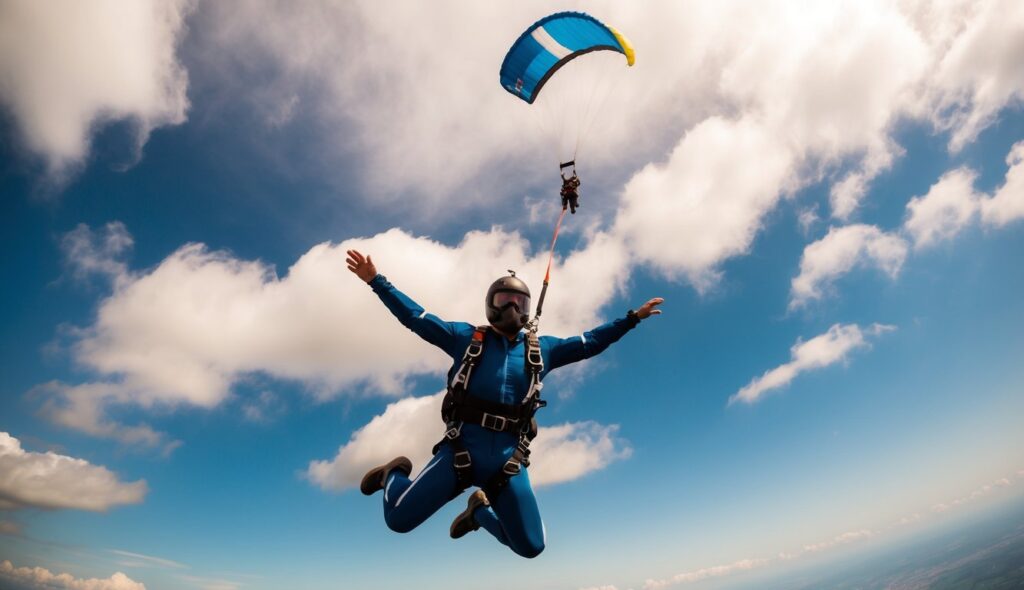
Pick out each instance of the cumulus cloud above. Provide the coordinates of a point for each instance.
(952, 203)
(48, 480)
(807, 76)
(948, 206)
(68, 69)
(39, 578)
(185, 331)
(823, 350)
(840, 251)
(560, 453)
(979, 73)
(704, 205)
(1007, 203)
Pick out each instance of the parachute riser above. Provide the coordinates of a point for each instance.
(533, 325)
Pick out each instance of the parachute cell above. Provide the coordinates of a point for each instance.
(552, 42)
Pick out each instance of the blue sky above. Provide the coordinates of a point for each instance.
(830, 201)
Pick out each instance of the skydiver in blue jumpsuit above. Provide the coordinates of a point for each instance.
(512, 516)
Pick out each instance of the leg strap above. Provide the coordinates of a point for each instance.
(462, 461)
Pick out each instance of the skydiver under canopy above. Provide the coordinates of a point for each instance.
(570, 188)
(493, 391)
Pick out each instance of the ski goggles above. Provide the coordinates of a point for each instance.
(503, 299)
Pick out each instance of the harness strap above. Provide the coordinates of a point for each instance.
(459, 408)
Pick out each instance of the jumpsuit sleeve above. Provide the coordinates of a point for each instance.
(427, 326)
(563, 351)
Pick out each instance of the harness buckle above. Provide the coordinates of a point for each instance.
(494, 422)
(511, 468)
(453, 432)
(458, 461)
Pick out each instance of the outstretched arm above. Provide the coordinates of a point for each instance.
(564, 351)
(427, 326)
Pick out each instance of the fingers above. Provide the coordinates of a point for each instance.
(356, 256)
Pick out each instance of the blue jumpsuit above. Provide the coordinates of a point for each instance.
(513, 517)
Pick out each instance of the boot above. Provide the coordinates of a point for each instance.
(465, 523)
(375, 478)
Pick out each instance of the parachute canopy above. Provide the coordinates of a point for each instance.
(552, 42)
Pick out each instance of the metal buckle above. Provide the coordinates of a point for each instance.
(460, 465)
(511, 468)
(494, 422)
(453, 432)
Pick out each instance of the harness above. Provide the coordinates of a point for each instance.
(460, 408)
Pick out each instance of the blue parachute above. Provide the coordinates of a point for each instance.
(552, 42)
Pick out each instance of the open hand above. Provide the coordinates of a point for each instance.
(648, 309)
(361, 265)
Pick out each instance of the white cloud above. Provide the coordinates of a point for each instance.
(703, 205)
(140, 560)
(979, 74)
(839, 252)
(67, 69)
(185, 331)
(948, 206)
(1007, 204)
(707, 572)
(808, 75)
(38, 578)
(560, 453)
(48, 480)
(823, 350)
(847, 537)
(82, 407)
(952, 202)
(88, 252)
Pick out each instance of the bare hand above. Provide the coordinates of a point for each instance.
(648, 309)
(361, 265)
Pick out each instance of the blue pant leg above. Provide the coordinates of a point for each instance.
(514, 518)
(407, 503)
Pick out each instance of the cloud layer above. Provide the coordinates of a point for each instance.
(48, 480)
(823, 350)
(560, 453)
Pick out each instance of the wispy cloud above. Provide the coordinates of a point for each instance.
(707, 572)
(140, 560)
(823, 350)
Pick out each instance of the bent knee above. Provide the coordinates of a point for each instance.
(531, 549)
(400, 525)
